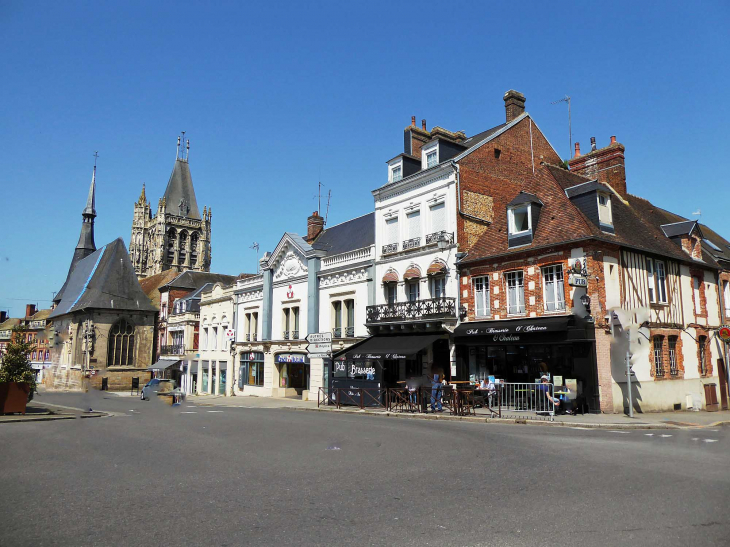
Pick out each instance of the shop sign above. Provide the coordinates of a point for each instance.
(725, 334)
(291, 358)
(506, 330)
(506, 338)
(576, 280)
(369, 356)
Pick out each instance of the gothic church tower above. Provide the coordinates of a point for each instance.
(176, 236)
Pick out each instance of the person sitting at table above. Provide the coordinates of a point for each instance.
(412, 387)
(545, 386)
(437, 380)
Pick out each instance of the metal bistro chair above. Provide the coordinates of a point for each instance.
(466, 400)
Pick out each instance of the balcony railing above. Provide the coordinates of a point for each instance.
(432, 239)
(343, 332)
(413, 243)
(291, 335)
(390, 248)
(251, 337)
(434, 308)
(175, 349)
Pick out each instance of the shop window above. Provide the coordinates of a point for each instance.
(120, 351)
(438, 287)
(515, 292)
(672, 343)
(553, 288)
(658, 342)
(702, 348)
(252, 369)
(413, 290)
(481, 296)
(391, 293)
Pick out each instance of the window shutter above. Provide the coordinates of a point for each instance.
(392, 230)
(438, 217)
(414, 224)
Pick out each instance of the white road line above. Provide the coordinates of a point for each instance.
(649, 434)
(695, 438)
(215, 411)
(710, 440)
(615, 431)
(188, 412)
(663, 435)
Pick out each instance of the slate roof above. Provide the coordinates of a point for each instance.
(347, 236)
(41, 314)
(151, 285)
(104, 280)
(679, 228)
(8, 324)
(525, 197)
(180, 187)
(194, 280)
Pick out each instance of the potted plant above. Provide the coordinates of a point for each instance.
(17, 379)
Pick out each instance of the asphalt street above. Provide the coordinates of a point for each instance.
(195, 475)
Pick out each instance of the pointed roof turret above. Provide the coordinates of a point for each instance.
(180, 195)
(90, 209)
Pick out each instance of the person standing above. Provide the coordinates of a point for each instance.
(436, 391)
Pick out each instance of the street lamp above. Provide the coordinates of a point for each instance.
(442, 241)
(586, 301)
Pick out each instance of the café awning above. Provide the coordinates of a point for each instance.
(388, 347)
(533, 325)
(163, 364)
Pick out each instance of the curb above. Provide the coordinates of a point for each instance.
(471, 419)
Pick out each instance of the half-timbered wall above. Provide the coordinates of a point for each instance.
(635, 292)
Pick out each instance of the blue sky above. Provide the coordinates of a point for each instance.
(276, 96)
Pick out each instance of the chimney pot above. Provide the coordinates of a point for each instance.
(514, 104)
(577, 149)
(413, 121)
(423, 124)
(613, 139)
(593, 144)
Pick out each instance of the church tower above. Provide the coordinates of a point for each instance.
(176, 236)
(86, 244)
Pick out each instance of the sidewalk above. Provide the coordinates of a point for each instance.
(243, 401)
(42, 412)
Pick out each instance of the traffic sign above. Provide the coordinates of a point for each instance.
(725, 334)
(320, 338)
(318, 355)
(320, 347)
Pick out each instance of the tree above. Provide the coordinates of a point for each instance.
(15, 364)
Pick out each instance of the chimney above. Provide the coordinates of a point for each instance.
(3, 316)
(514, 104)
(415, 137)
(423, 124)
(606, 165)
(315, 225)
(29, 310)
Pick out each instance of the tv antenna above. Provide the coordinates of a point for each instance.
(698, 214)
(327, 214)
(255, 247)
(566, 99)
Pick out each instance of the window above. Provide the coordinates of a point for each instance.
(650, 279)
(255, 328)
(497, 153)
(414, 224)
(252, 369)
(702, 343)
(391, 291)
(515, 292)
(438, 287)
(171, 236)
(397, 173)
(672, 343)
(658, 363)
(698, 302)
(519, 220)
(182, 247)
(604, 209)
(295, 323)
(120, 351)
(726, 293)
(481, 296)
(350, 316)
(194, 249)
(413, 290)
(337, 311)
(554, 289)
(214, 338)
(438, 217)
(286, 323)
(431, 159)
(391, 230)
(204, 345)
(661, 283)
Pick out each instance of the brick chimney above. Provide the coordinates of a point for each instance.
(415, 137)
(3, 316)
(29, 310)
(315, 225)
(603, 164)
(514, 104)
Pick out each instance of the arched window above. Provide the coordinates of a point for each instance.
(121, 345)
(183, 247)
(171, 235)
(194, 249)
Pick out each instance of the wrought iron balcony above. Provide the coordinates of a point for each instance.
(390, 248)
(432, 239)
(294, 334)
(413, 243)
(343, 332)
(349, 332)
(434, 308)
(337, 332)
(175, 349)
(286, 335)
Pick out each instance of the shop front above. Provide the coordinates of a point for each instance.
(381, 362)
(523, 350)
(293, 373)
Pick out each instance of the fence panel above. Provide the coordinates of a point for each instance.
(527, 397)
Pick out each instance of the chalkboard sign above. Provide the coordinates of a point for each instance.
(105, 384)
(135, 384)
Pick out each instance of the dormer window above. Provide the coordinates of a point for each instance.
(431, 159)
(520, 220)
(605, 216)
(396, 173)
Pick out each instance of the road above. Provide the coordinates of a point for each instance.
(196, 475)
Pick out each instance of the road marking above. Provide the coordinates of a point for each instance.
(663, 435)
(215, 411)
(649, 434)
(710, 440)
(695, 438)
(583, 428)
(615, 431)
(188, 412)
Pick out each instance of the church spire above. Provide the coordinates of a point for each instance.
(142, 196)
(90, 209)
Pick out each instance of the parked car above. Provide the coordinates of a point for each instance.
(155, 386)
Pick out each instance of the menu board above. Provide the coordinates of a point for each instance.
(572, 384)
